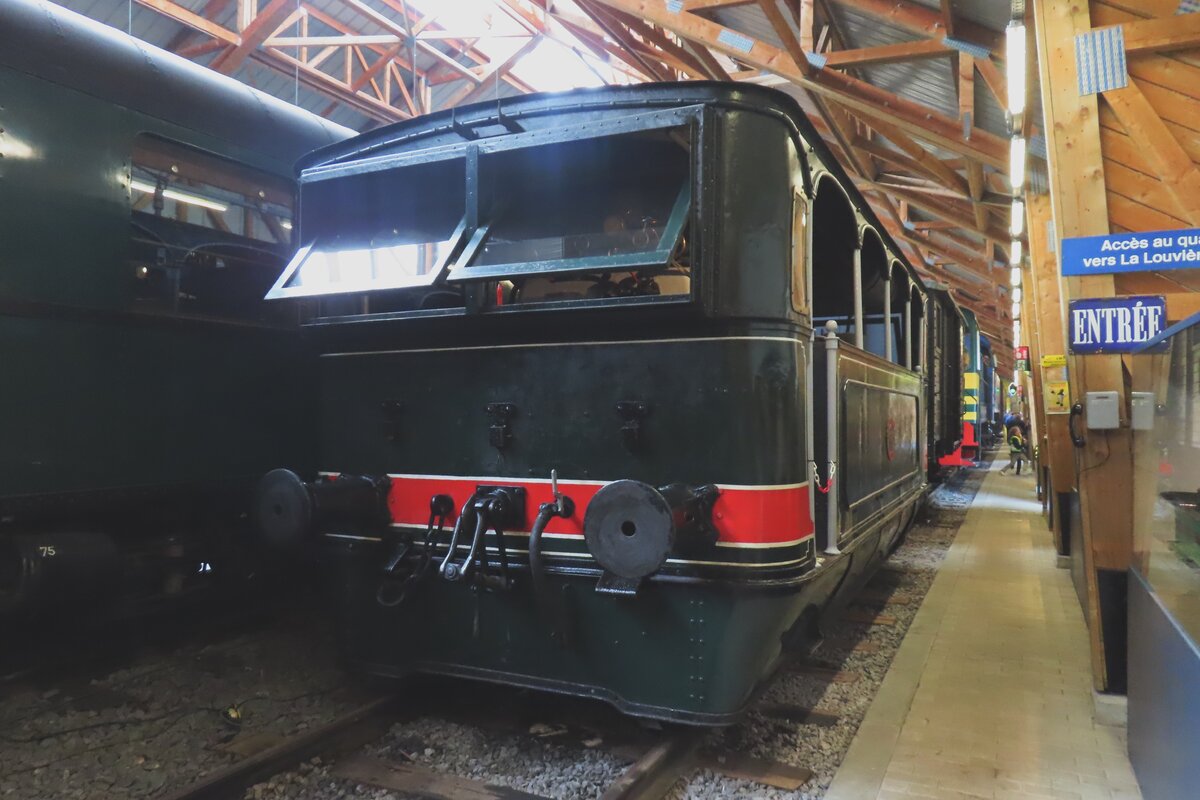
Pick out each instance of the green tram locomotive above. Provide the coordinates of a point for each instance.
(145, 207)
(578, 431)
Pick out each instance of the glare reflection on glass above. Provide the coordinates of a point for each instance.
(364, 269)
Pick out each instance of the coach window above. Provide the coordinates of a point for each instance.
(902, 315)
(800, 233)
(209, 235)
(875, 289)
(834, 240)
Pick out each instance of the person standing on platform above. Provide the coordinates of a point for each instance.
(1016, 451)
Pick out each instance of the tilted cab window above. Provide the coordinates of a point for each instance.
(209, 235)
(595, 218)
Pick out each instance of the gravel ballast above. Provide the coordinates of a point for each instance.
(547, 760)
(161, 722)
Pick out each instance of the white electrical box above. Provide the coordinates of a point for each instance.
(1102, 413)
(1142, 405)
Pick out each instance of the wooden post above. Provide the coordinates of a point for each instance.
(1046, 325)
(1079, 204)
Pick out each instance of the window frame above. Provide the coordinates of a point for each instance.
(801, 238)
(471, 232)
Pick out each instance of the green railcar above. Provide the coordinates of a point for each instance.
(576, 429)
(145, 207)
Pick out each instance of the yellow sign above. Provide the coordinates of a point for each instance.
(1058, 397)
(971, 380)
(1054, 361)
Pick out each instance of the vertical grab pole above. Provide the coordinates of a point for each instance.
(831, 438)
(922, 337)
(908, 345)
(888, 348)
(858, 297)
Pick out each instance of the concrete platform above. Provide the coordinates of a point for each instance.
(990, 694)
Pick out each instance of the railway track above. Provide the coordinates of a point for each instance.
(660, 759)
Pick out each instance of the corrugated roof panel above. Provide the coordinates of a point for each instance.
(747, 19)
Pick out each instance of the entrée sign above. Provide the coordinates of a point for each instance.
(1115, 324)
(1131, 252)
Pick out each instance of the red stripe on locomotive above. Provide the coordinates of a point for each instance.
(742, 515)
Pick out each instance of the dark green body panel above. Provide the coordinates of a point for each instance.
(725, 375)
(693, 652)
(97, 397)
(713, 404)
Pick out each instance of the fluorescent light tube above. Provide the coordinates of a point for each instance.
(1016, 225)
(179, 197)
(1016, 164)
(1015, 55)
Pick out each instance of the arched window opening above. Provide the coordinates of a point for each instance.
(875, 291)
(901, 316)
(834, 240)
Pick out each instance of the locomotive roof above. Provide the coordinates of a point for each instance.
(60, 46)
(451, 125)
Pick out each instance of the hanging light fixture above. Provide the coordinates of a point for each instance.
(178, 196)
(1016, 164)
(1016, 294)
(1015, 55)
(1016, 223)
(1016, 310)
(1014, 252)
(1014, 277)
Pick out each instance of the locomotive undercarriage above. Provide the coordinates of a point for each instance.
(689, 647)
(687, 641)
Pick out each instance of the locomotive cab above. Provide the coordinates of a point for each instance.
(567, 359)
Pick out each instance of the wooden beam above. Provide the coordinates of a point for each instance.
(1177, 32)
(619, 34)
(887, 54)
(651, 35)
(1143, 124)
(993, 79)
(927, 162)
(806, 25)
(947, 251)
(929, 22)
(976, 185)
(966, 92)
(266, 22)
(708, 60)
(914, 118)
(192, 20)
(1046, 324)
(491, 81)
(704, 5)
(951, 212)
(1079, 207)
(786, 28)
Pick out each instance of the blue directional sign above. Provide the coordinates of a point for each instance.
(1115, 324)
(1131, 252)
